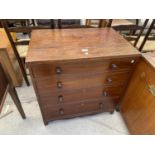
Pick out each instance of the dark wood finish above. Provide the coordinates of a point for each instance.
(84, 81)
(102, 43)
(79, 71)
(81, 108)
(138, 104)
(6, 87)
(65, 69)
(76, 95)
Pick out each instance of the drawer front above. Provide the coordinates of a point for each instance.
(46, 70)
(81, 95)
(125, 63)
(82, 108)
(51, 85)
(70, 97)
(113, 91)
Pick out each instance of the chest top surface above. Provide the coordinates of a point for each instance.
(77, 44)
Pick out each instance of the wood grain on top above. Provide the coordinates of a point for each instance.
(72, 44)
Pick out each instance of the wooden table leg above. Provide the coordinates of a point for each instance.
(17, 102)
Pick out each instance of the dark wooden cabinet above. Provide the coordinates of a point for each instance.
(79, 71)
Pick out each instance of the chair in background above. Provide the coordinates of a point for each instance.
(90, 23)
(20, 46)
(127, 28)
(98, 22)
(147, 44)
(117, 24)
(20, 55)
(5, 87)
(50, 23)
(124, 25)
(70, 24)
(140, 35)
(144, 42)
(9, 59)
(136, 36)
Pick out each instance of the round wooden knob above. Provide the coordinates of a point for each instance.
(61, 111)
(132, 61)
(109, 80)
(58, 70)
(59, 84)
(60, 98)
(113, 66)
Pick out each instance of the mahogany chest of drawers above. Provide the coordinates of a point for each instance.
(79, 71)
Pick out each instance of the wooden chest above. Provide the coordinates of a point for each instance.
(79, 71)
(138, 103)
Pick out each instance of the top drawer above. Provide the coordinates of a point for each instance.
(45, 70)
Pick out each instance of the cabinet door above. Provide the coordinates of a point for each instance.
(138, 104)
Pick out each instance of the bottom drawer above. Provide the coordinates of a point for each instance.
(79, 109)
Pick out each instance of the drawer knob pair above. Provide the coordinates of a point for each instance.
(59, 84)
(58, 70)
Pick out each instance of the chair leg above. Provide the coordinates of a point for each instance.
(4, 23)
(17, 102)
(23, 61)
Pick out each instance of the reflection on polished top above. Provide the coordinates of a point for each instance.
(74, 44)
